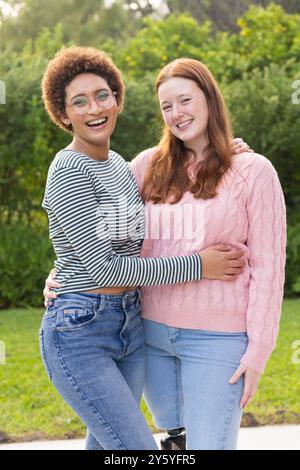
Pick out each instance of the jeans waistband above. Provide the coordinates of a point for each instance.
(95, 300)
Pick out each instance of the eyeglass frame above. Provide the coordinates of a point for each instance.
(111, 93)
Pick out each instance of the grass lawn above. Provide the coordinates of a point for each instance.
(30, 407)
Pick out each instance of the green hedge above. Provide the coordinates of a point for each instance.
(256, 69)
(26, 256)
(292, 276)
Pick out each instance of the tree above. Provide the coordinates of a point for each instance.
(84, 23)
(263, 113)
(255, 68)
(141, 8)
(28, 140)
(224, 15)
(158, 42)
(266, 36)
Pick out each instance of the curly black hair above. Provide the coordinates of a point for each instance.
(63, 68)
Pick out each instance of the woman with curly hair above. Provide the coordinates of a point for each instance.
(92, 338)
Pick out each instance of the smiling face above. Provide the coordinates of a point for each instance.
(184, 109)
(96, 125)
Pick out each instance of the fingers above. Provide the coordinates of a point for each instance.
(53, 273)
(245, 398)
(237, 140)
(51, 284)
(234, 378)
(240, 145)
(231, 274)
(221, 247)
(228, 278)
(231, 253)
(241, 148)
(248, 396)
(234, 254)
(232, 268)
(238, 373)
(249, 389)
(233, 271)
(251, 379)
(48, 294)
(236, 262)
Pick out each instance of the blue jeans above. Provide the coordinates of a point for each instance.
(187, 374)
(93, 350)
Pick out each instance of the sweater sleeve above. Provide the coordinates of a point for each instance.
(266, 242)
(72, 199)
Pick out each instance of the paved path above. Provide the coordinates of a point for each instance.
(286, 437)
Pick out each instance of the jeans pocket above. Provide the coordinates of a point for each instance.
(43, 354)
(74, 318)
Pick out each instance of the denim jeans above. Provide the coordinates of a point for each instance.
(93, 349)
(187, 374)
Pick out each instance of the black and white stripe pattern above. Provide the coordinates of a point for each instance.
(96, 226)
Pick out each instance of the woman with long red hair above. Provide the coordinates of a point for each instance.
(207, 343)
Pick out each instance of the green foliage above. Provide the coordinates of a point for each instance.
(162, 41)
(26, 256)
(224, 15)
(262, 113)
(139, 125)
(275, 401)
(28, 138)
(292, 274)
(255, 67)
(268, 36)
(84, 23)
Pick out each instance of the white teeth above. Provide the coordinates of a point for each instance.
(97, 121)
(184, 124)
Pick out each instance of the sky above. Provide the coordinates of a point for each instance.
(5, 8)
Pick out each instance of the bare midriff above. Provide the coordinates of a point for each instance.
(111, 290)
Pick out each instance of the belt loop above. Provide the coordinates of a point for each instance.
(60, 317)
(101, 303)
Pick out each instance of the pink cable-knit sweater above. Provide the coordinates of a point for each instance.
(248, 213)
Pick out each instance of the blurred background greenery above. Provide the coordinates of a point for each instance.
(253, 49)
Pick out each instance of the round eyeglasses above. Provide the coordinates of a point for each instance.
(104, 99)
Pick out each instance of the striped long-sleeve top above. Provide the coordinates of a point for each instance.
(96, 224)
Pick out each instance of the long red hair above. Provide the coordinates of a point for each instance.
(167, 173)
